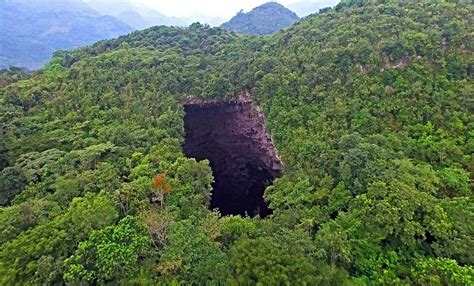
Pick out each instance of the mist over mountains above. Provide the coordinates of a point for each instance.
(31, 31)
(138, 16)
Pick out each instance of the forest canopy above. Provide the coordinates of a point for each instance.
(369, 105)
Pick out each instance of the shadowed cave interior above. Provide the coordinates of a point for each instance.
(244, 161)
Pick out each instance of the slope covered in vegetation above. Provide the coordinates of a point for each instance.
(370, 107)
(262, 20)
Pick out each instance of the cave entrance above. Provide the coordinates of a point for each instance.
(244, 161)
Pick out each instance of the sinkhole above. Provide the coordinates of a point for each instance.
(244, 161)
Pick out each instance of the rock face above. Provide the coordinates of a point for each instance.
(232, 136)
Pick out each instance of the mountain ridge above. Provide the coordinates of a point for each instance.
(265, 19)
(30, 36)
(138, 16)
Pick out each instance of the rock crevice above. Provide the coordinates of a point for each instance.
(232, 136)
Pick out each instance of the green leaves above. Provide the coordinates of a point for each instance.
(264, 261)
(285, 194)
(192, 257)
(455, 182)
(12, 182)
(109, 254)
(442, 271)
(369, 105)
(21, 257)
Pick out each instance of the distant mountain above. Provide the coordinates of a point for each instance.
(262, 20)
(30, 31)
(141, 160)
(51, 5)
(137, 16)
(304, 8)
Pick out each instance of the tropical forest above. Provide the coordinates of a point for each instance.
(336, 151)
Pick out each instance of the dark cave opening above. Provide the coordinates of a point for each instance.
(244, 161)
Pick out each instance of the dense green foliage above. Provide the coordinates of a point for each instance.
(110, 253)
(262, 20)
(11, 75)
(370, 106)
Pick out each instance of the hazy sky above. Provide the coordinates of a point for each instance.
(212, 8)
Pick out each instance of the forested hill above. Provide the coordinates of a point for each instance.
(262, 20)
(370, 107)
(30, 31)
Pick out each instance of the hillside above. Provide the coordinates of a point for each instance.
(339, 153)
(32, 31)
(262, 20)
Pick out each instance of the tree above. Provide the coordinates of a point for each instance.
(192, 257)
(369, 106)
(109, 254)
(12, 182)
(58, 238)
(160, 187)
(158, 225)
(264, 261)
(442, 271)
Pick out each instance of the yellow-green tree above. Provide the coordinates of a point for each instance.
(159, 188)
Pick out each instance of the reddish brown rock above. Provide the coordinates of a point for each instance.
(232, 136)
